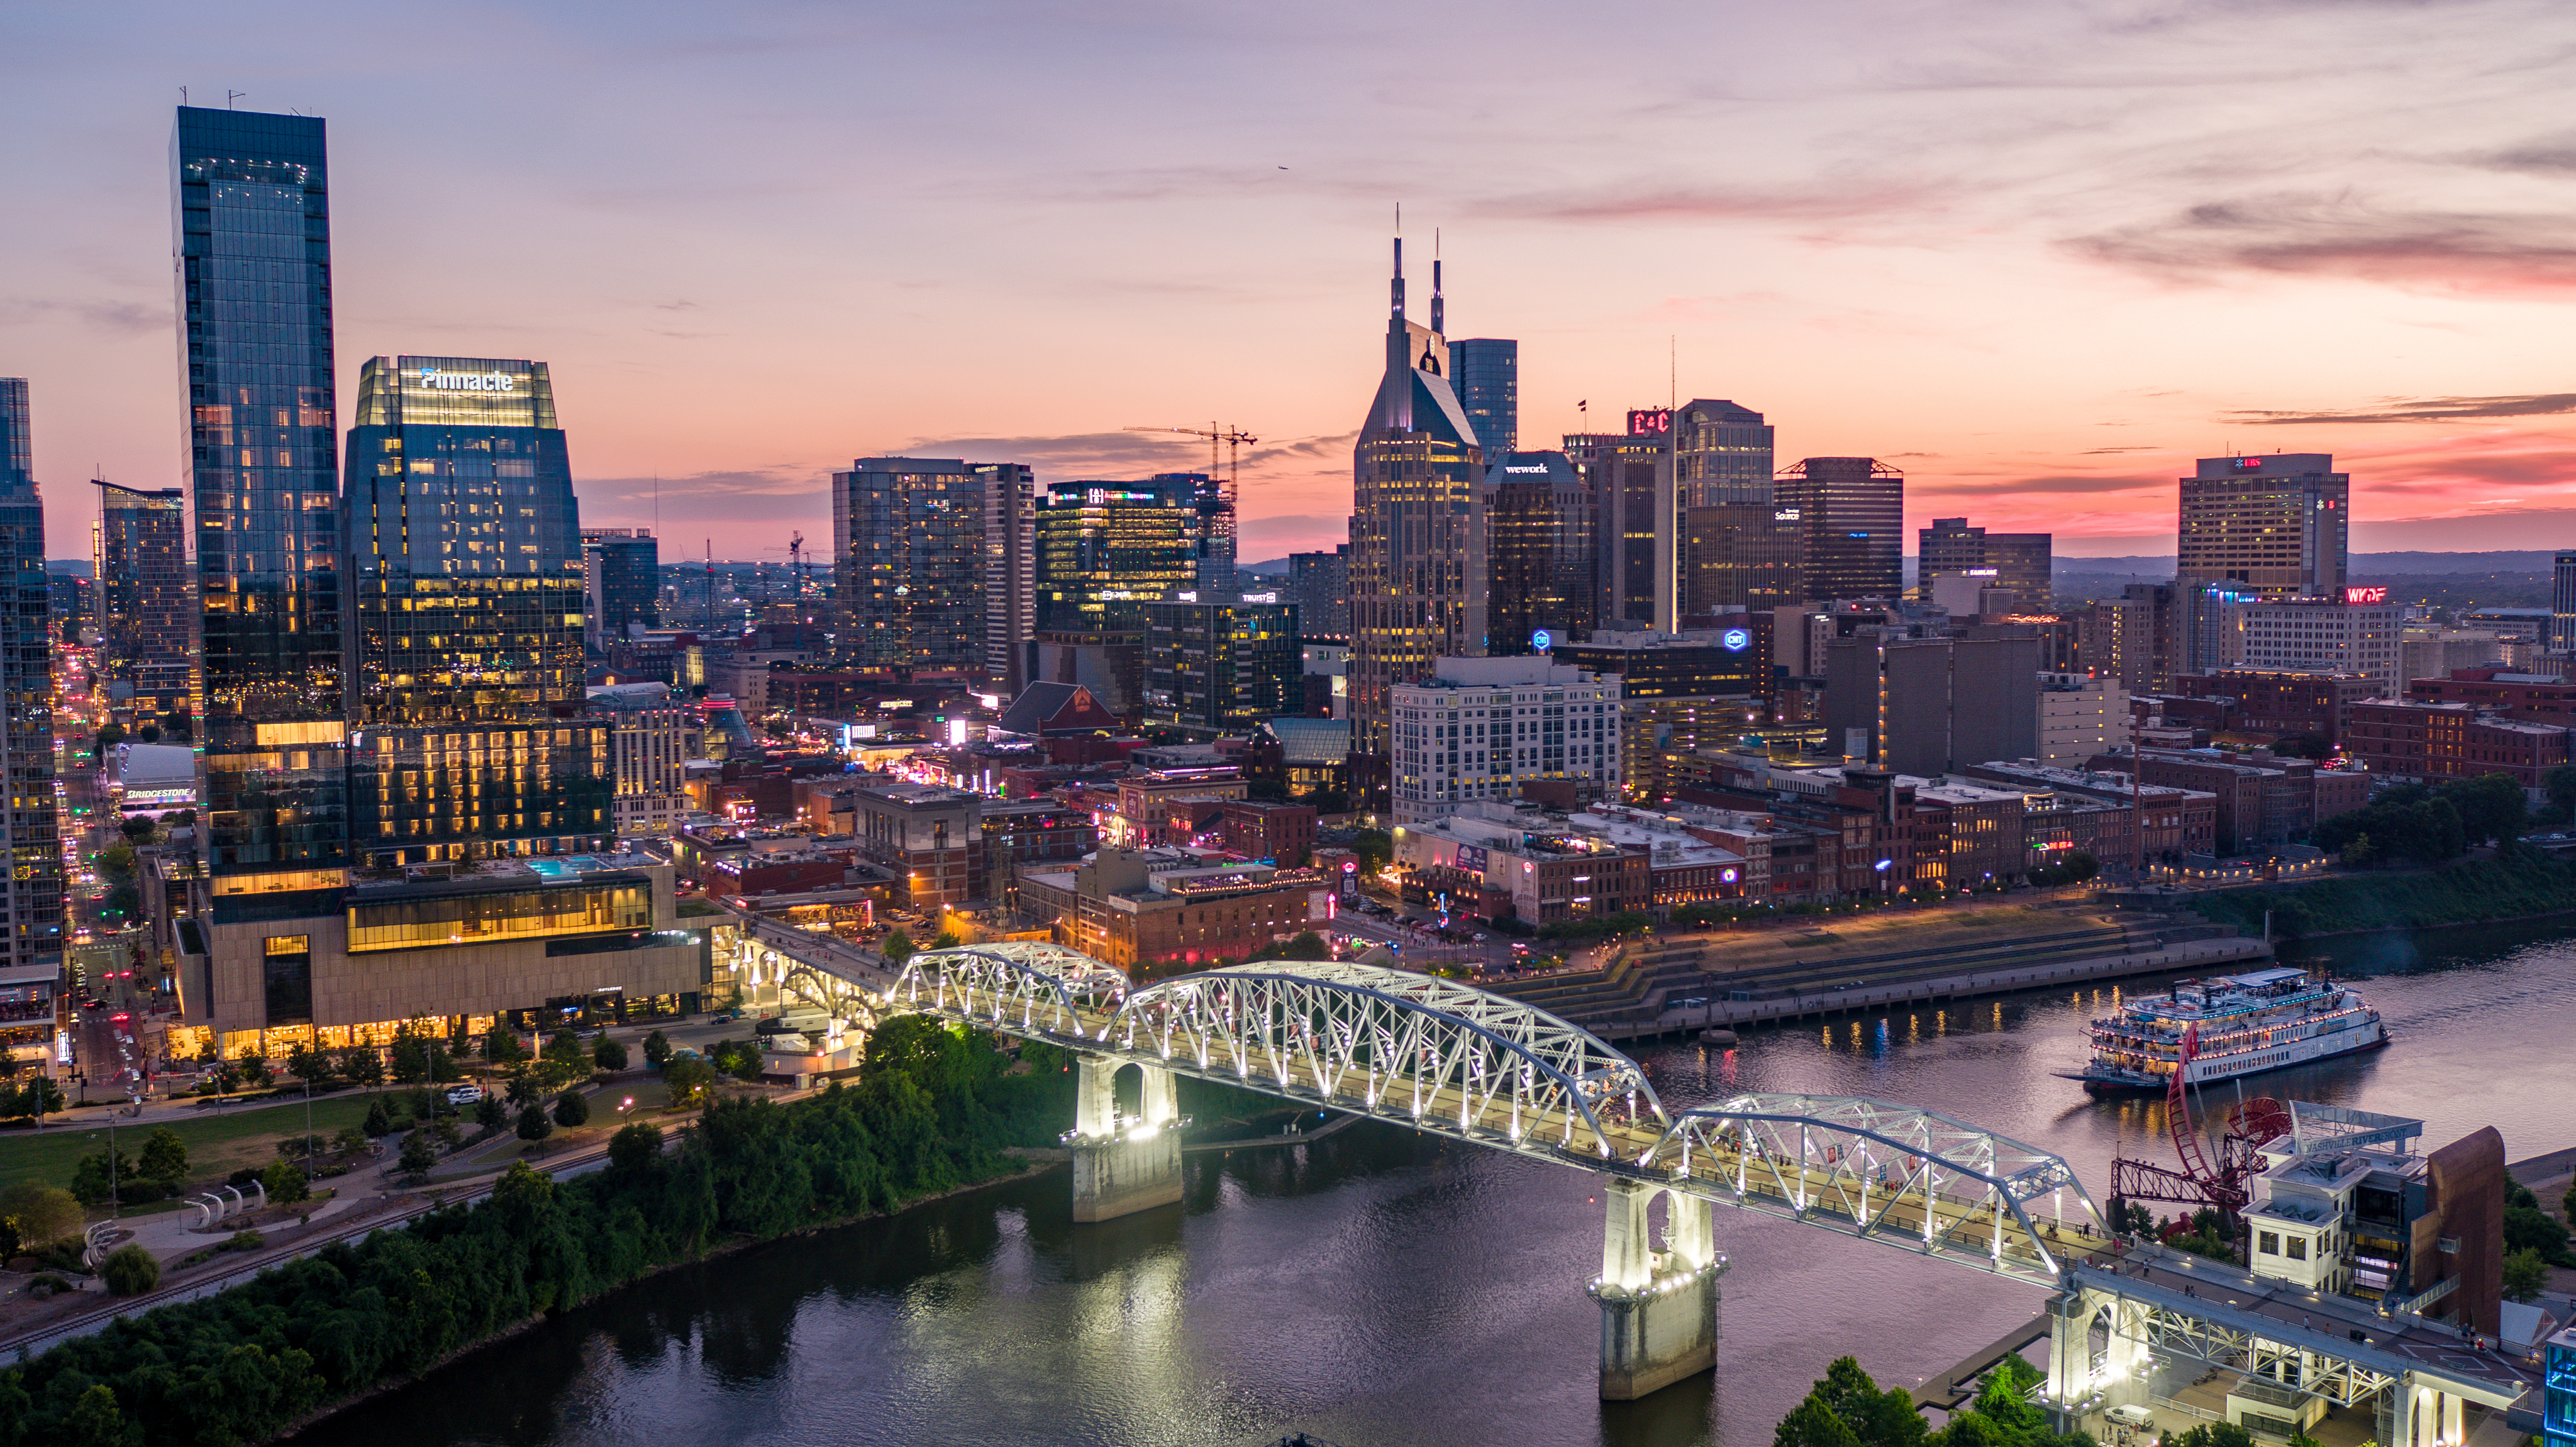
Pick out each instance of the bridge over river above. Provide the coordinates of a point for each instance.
(1447, 1059)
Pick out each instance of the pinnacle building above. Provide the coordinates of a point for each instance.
(465, 619)
(253, 272)
(1418, 579)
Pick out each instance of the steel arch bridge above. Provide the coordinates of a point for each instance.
(1452, 1060)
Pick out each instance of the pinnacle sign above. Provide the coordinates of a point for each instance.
(438, 381)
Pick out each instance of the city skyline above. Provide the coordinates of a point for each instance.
(2038, 322)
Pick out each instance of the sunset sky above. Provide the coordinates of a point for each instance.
(2039, 256)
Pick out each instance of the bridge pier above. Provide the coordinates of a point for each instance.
(1659, 1309)
(1123, 1165)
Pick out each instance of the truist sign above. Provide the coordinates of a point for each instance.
(438, 381)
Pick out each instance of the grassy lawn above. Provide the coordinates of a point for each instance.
(217, 1144)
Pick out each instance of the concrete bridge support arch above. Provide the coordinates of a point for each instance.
(1659, 1308)
(1123, 1164)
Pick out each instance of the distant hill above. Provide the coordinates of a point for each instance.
(2413, 564)
(1272, 565)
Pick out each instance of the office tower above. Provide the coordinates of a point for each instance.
(465, 619)
(1540, 552)
(254, 281)
(2018, 561)
(2355, 633)
(1629, 474)
(1948, 549)
(2562, 604)
(2025, 563)
(1741, 557)
(1417, 530)
(31, 933)
(1222, 664)
(909, 564)
(1721, 457)
(621, 583)
(1106, 549)
(2277, 525)
(139, 559)
(1320, 585)
(1011, 575)
(1489, 390)
(1925, 706)
(1852, 510)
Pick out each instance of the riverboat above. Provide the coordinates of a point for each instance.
(2238, 1025)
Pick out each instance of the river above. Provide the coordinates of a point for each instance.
(1378, 1289)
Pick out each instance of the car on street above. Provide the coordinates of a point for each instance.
(2129, 1414)
(465, 1094)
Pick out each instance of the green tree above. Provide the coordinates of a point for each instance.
(2527, 1229)
(97, 1177)
(309, 1065)
(285, 1183)
(1375, 848)
(253, 1065)
(564, 1052)
(2525, 1275)
(115, 863)
(1879, 1418)
(129, 1270)
(379, 1122)
(898, 946)
(40, 1097)
(1813, 1424)
(572, 1108)
(634, 1148)
(443, 1066)
(363, 1065)
(44, 1214)
(449, 1133)
(522, 1086)
(1308, 945)
(165, 1157)
(2490, 806)
(689, 1079)
(533, 1125)
(657, 1050)
(2359, 852)
(608, 1054)
(419, 1153)
(95, 1420)
(2560, 783)
(947, 939)
(490, 1113)
(411, 1058)
(502, 1047)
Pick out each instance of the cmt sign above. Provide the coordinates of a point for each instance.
(2358, 597)
(1650, 421)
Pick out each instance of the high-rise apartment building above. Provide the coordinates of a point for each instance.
(1630, 475)
(1011, 575)
(2562, 604)
(1106, 549)
(2277, 525)
(1540, 552)
(253, 274)
(1222, 663)
(1417, 530)
(2357, 633)
(1320, 585)
(1484, 728)
(31, 934)
(621, 583)
(1489, 389)
(652, 737)
(465, 618)
(909, 568)
(146, 608)
(1852, 511)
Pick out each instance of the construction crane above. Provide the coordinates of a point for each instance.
(1232, 439)
(795, 551)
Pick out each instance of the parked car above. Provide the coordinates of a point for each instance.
(2129, 1414)
(464, 1094)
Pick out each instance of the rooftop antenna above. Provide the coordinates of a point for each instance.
(183, 95)
(1437, 323)
(233, 95)
(1397, 285)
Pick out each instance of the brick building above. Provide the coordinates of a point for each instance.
(1138, 908)
(2541, 698)
(2281, 701)
(2433, 742)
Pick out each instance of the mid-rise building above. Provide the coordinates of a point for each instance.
(1222, 664)
(1320, 585)
(2276, 525)
(1540, 552)
(1158, 912)
(2356, 632)
(2020, 562)
(2411, 742)
(251, 198)
(1488, 373)
(465, 588)
(621, 583)
(1925, 706)
(1499, 862)
(2259, 798)
(1677, 691)
(2562, 604)
(146, 610)
(1418, 574)
(1852, 512)
(2284, 702)
(934, 574)
(2080, 715)
(2542, 698)
(1487, 728)
(931, 839)
(652, 737)
(31, 936)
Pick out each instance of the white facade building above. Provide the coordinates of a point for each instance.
(2321, 636)
(1481, 727)
(2080, 716)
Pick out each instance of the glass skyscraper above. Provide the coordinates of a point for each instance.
(1851, 511)
(1106, 549)
(1488, 373)
(31, 897)
(465, 638)
(621, 582)
(1538, 520)
(254, 282)
(146, 613)
(916, 592)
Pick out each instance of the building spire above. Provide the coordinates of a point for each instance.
(1437, 324)
(1397, 286)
